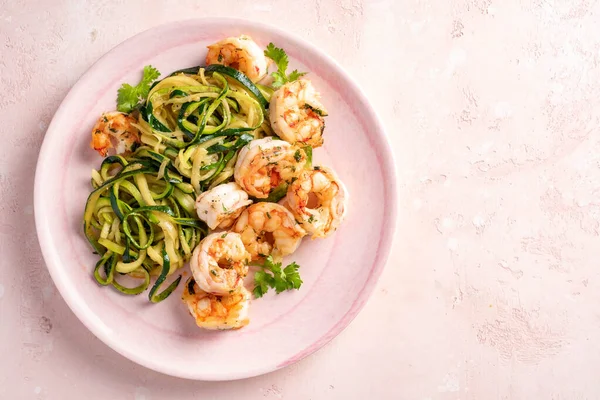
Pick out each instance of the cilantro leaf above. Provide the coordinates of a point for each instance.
(278, 55)
(150, 75)
(281, 60)
(278, 79)
(129, 96)
(272, 276)
(294, 75)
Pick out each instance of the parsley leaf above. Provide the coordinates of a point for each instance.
(271, 265)
(281, 60)
(293, 276)
(280, 283)
(274, 277)
(129, 96)
(262, 282)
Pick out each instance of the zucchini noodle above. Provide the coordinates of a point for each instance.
(140, 217)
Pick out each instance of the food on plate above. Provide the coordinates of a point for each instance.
(220, 206)
(129, 97)
(296, 113)
(195, 165)
(115, 129)
(318, 200)
(280, 58)
(220, 263)
(269, 229)
(217, 312)
(139, 222)
(273, 276)
(264, 164)
(241, 53)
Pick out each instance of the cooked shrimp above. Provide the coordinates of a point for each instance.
(265, 163)
(296, 113)
(241, 53)
(114, 129)
(318, 200)
(219, 263)
(217, 312)
(269, 228)
(220, 206)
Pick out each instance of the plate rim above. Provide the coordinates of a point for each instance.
(388, 165)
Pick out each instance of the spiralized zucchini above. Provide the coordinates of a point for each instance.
(140, 217)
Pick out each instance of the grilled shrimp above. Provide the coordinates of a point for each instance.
(296, 113)
(114, 129)
(219, 263)
(217, 312)
(265, 163)
(220, 206)
(269, 228)
(318, 200)
(241, 53)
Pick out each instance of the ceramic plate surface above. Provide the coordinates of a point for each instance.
(339, 272)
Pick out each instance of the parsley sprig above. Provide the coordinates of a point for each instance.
(129, 96)
(281, 60)
(272, 276)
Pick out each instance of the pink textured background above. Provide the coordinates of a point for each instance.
(493, 287)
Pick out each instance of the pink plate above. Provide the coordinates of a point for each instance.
(339, 273)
